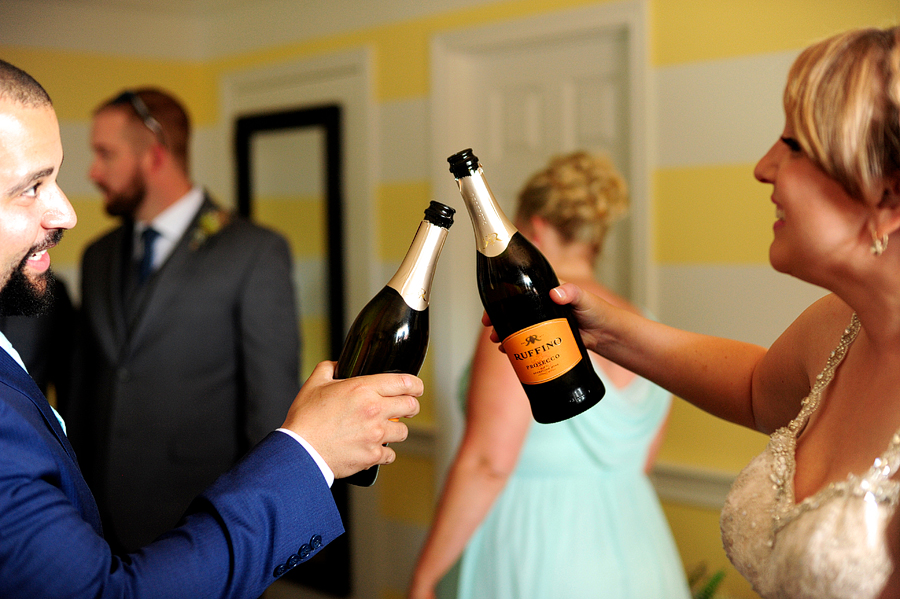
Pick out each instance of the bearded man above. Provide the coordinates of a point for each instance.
(191, 342)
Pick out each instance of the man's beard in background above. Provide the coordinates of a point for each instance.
(127, 202)
(29, 297)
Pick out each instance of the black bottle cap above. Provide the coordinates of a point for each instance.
(463, 163)
(439, 214)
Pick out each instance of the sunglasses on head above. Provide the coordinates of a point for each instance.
(134, 100)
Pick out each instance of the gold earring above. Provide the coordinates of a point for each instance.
(878, 245)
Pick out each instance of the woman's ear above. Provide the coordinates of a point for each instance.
(537, 229)
(889, 207)
(890, 196)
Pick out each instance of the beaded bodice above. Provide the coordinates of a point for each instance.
(831, 544)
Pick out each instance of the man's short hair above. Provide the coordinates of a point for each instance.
(22, 88)
(161, 107)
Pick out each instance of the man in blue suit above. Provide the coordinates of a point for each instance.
(270, 512)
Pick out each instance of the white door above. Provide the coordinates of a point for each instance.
(518, 94)
(541, 100)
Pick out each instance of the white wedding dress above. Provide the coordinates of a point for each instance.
(831, 545)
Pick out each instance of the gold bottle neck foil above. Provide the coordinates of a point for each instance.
(492, 229)
(414, 277)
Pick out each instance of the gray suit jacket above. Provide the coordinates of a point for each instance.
(206, 367)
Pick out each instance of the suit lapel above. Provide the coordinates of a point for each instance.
(15, 376)
(104, 301)
(166, 284)
(120, 260)
(27, 395)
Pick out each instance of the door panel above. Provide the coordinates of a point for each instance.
(549, 98)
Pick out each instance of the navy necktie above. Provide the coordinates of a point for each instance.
(145, 268)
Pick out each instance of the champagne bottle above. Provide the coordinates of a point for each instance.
(390, 334)
(540, 337)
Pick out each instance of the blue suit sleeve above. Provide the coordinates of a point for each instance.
(272, 511)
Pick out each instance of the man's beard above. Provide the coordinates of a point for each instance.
(126, 202)
(22, 296)
(25, 297)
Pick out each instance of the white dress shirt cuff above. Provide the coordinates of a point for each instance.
(326, 471)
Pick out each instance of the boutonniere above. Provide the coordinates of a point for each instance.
(210, 222)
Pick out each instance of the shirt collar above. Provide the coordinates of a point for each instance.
(172, 222)
(6, 345)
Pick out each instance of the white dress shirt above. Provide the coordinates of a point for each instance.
(171, 225)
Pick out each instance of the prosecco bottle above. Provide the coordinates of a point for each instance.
(540, 338)
(390, 334)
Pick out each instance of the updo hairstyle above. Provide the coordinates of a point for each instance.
(579, 194)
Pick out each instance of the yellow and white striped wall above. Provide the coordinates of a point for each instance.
(717, 71)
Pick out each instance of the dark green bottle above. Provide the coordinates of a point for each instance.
(390, 334)
(540, 337)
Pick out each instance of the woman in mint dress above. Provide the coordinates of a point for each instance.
(556, 510)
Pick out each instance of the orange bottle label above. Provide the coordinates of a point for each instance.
(542, 352)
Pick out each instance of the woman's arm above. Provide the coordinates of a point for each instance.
(498, 417)
(739, 382)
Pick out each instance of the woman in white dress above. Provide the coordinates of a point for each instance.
(808, 517)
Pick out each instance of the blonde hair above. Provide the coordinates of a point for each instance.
(842, 100)
(579, 194)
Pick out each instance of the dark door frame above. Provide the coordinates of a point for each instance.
(329, 571)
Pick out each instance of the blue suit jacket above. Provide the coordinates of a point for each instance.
(270, 512)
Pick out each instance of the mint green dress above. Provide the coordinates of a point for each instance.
(578, 517)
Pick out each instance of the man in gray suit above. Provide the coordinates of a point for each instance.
(190, 340)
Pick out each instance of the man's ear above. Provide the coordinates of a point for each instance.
(159, 154)
(152, 158)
